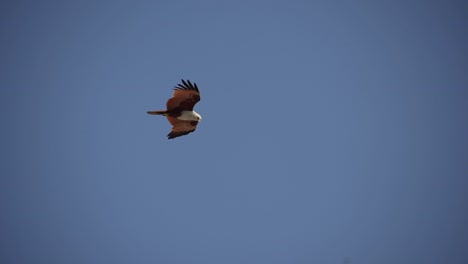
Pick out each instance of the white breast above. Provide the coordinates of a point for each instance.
(189, 116)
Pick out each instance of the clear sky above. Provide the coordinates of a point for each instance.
(333, 132)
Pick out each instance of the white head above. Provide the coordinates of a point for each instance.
(198, 116)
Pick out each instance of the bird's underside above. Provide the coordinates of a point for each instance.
(179, 110)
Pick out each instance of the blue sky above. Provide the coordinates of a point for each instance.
(333, 131)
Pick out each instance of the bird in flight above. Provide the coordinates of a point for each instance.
(180, 109)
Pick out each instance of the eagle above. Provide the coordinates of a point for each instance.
(180, 109)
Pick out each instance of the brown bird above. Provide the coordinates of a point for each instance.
(180, 109)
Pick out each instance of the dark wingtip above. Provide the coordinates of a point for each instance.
(186, 85)
(172, 135)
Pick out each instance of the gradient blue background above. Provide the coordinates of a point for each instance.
(332, 132)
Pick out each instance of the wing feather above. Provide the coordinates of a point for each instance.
(180, 127)
(185, 96)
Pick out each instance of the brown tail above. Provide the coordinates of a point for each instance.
(156, 112)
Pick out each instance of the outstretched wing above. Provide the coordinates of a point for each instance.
(180, 127)
(185, 96)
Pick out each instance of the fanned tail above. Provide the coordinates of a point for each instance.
(156, 112)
